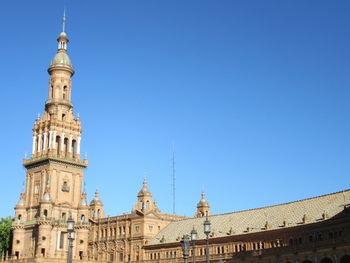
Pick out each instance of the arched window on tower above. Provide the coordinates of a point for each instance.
(147, 204)
(82, 219)
(65, 146)
(98, 213)
(74, 148)
(19, 217)
(58, 144)
(64, 93)
(93, 213)
(51, 92)
(45, 212)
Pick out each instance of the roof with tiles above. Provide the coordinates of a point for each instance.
(285, 215)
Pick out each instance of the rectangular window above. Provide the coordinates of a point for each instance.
(61, 241)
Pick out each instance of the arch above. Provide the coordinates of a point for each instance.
(82, 218)
(19, 217)
(64, 93)
(147, 204)
(345, 259)
(326, 260)
(58, 144)
(93, 213)
(74, 148)
(66, 145)
(141, 205)
(45, 212)
(51, 91)
(98, 213)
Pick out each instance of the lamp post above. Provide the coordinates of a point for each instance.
(185, 243)
(207, 230)
(194, 238)
(71, 236)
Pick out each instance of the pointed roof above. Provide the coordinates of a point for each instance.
(144, 190)
(61, 59)
(203, 202)
(96, 200)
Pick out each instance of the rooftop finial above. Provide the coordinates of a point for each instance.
(64, 20)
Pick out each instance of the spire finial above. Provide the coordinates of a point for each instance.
(64, 20)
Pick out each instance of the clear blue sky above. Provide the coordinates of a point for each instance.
(255, 95)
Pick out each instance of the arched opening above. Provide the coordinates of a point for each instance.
(98, 213)
(82, 219)
(45, 212)
(63, 117)
(58, 144)
(93, 213)
(65, 148)
(147, 204)
(74, 148)
(64, 93)
(141, 205)
(51, 92)
(345, 259)
(19, 217)
(326, 260)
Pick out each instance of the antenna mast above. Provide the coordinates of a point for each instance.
(173, 178)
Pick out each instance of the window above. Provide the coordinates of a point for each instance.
(63, 117)
(80, 255)
(61, 241)
(45, 212)
(19, 217)
(147, 205)
(64, 216)
(82, 219)
(43, 252)
(64, 94)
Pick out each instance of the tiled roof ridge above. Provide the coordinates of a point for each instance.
(269, 206)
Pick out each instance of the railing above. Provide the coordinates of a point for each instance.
(53, 156)
(47, 219)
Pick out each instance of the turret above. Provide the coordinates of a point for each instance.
(203, 207)
(144, 199)
(96, 211)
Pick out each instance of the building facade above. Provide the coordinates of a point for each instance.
(315, 230)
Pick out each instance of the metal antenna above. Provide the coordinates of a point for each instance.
(173, 178)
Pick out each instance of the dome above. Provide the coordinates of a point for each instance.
(61, 59)
(144, 190)
(46, 197)
(203, 202)
(83, 203)
(20, 202)
(96, 201)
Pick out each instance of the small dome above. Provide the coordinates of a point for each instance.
(61, 59)
(203, 202)
(46, 197)
(20, 202)
(62, 35)
(144, 190)
(83, 203)
(96, 201)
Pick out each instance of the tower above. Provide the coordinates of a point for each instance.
(54, 173)
(203, 207)
(144, 199)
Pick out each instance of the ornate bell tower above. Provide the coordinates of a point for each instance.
(54, 174)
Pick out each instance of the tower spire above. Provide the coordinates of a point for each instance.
(64, 21)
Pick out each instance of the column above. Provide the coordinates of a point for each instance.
(33, 148)
(62, 141)
(39, 142)
(44, 143)
(70, 143)
(50, 139)
(78, 145)
(54, 140)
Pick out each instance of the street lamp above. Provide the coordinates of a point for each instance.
(71, 236)
(185, 243)
(194, 238)
(207, 230)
